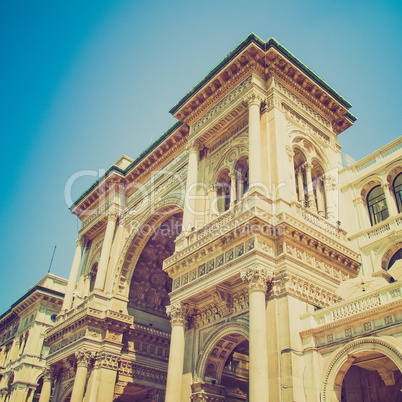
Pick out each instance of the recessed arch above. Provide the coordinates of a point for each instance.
(228, 160)
(341, 360)
(150, 285)
(224, 332)
(386, 251)
(309, 147)
(138, 238)
(368, 184)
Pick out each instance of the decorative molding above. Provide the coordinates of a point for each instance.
(225, 101)
(287, 283)
(140, 372)
(177, 312)
(108, 360)
(256, 278)
(84, 357)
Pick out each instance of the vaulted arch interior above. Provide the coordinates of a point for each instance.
(150, 285)
(228, 364)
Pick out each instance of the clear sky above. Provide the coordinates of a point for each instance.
(84, 82)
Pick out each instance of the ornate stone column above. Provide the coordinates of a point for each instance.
(232, 189)
(310, 190)
(254, 139)
(329, 185)
(257, 277)
(46, 387)
(391, 203)
(362, 213)
(320, 198)
(191, 184)
(96, 376)
(213, 204)
(177, 312)
(105, 254)
(72, 280)
(300, 184)
(31, 392)
(240, 187)
(83, 361)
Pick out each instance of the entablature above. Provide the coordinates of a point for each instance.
(85, 322)
(265, 60)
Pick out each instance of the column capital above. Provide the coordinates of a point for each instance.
(48, 374)
(359, 200)
(112, 215)
(328, 180)
(177, 312)
(193, 146)
(81, 240)
(97, 360)
(253, 98)
(256, 277)
(307, 166)
(84, 357)
(386, 186)
(290, 151)
(300, 169)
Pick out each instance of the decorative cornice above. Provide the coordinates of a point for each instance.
(287, 283)
(236, 92)
(140, 372)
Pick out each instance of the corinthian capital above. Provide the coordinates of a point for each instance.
(48, 374)
(253, 98)
(84, 357)
(81, 241)
(256, 277)
(177, 313)
(194, 146)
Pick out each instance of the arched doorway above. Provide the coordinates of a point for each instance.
(372, 377)
(365, 370)
(224, 365)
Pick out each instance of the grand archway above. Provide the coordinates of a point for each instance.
(150, 285)
(147, 343)
(365, 370)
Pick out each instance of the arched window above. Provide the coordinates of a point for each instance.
(395, 257)
(92, 276)
(241, 172)
(377, 205)
(398, 191)
(223, 191)
(317, 174)
(300, 176)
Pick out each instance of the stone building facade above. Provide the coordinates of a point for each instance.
(23, 371)
(209, 268)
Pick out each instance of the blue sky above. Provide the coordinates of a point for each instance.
(84, 82)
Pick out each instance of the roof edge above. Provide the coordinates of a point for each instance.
(124, 172)
(271, 42)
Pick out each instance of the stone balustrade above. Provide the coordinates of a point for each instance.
(368, 302)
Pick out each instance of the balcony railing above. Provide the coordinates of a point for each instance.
(383, 229)
(320, 222)
(388, 295)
